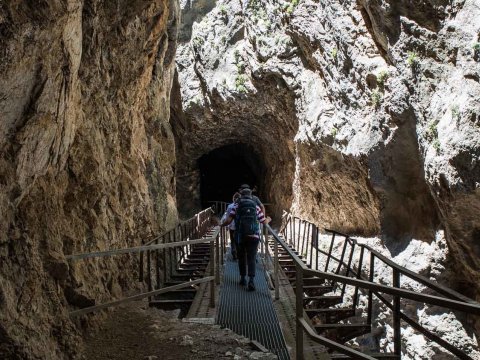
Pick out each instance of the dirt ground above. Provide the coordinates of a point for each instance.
(135, 331)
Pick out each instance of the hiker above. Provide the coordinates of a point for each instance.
(231, 226)
(247, 215)
(255, 198)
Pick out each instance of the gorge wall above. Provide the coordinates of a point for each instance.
(363, 115)
(87, 158)
(370, 108)
(374, 128)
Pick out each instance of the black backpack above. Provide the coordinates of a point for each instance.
(246, 217)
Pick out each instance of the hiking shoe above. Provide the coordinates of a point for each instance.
(251, 285)
(243, 282)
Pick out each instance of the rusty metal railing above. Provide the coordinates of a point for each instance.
(174, 244)
(304, 237)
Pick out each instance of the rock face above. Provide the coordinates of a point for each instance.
(87, 157)
(370, 108)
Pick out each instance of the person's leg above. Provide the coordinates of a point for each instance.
(233, 244)
(242, 261)
(251, 250)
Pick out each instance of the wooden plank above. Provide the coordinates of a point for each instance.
(140, 296)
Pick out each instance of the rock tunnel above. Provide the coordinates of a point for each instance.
(223, 169)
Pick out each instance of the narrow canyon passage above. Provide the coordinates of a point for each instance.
(120, 120)
(222, 171)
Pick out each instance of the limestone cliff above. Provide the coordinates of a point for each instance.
(87, 157)
(374, 128)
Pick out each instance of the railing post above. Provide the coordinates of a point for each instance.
(359, 276)
(370, 293)
(297, 245)
(157, 265)
(222, 241)
(305, 235)
(262, 250)
(349, 264)
(267, 249)
(317, 249)
(212, 274)
(149, 274)
(140, 273)
(329, 252)
(342, 256)
(217, 258)
(299, 312)
(276, 266)
(397, 336)
(289, 240)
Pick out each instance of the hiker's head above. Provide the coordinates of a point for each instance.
(236, 196)
(246, 192)
(244, 186)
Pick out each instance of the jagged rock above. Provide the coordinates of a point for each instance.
(87, 158)
(372, 107)
(186, 341)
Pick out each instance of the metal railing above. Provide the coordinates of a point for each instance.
(169, 259)
(172, 247)
(304, 237)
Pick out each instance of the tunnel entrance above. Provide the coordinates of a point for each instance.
(224, 169)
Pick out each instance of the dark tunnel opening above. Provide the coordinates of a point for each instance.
(224, 169)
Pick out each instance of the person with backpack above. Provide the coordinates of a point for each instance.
(255, 198)
(231, 226)
(247, 215)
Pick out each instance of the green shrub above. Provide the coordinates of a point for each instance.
(476, 46)
(241, 67)
(382, 77)
(431, 133)
(290, 7)
(376, 98)
(412, 59)
(455, 112)
(223, 10)
(334, 53)
(436, 145)
(240, 81)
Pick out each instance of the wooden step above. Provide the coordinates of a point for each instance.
(187, 294)
(193, 263)
(199, 251)
(384, 356)
(330, 316)
(176, 282)
(316, 290)
(191, 270)
(342, 332)
(171, 301)
(197, 256)
(186, 277)
(307, 281)
(323, 301)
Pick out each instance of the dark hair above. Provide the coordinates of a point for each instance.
(244, 186)
(246, 192)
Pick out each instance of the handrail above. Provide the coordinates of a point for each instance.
(136, 249)
(452, 300)
(140, 296)
(414, 276)
(197, 225)
(407, 294)
(354, 354)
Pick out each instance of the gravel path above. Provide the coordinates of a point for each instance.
(135, 331)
